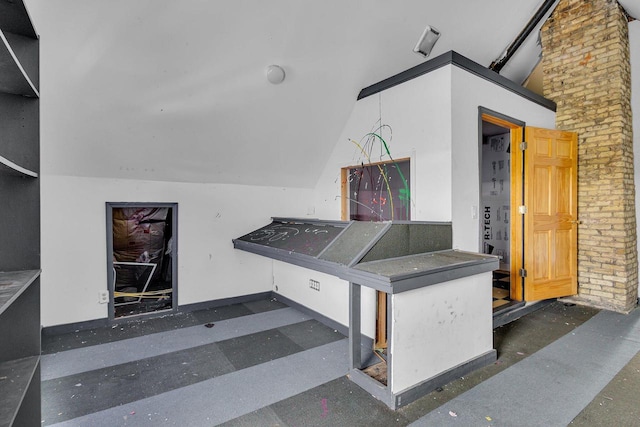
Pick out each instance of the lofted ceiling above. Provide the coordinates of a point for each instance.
(176, 90)
(632, 7)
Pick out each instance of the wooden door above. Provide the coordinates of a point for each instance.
(550, 218)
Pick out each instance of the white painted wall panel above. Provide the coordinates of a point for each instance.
(333, 298)
(438, 327)
(434, 121)
(468, 93)
(209, 216)
(418, 113)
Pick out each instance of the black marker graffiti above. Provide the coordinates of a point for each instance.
(275, 233)
(314, 231)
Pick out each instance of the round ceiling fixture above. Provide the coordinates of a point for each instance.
(275, 74)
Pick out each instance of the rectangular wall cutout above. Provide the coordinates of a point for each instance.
(380, 191)
(142, 258)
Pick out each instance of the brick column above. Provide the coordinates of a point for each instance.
(586, 66)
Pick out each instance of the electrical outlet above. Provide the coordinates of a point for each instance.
(103, 297)
(314, 284)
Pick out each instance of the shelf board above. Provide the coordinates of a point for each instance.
(14, 78)
(15, 18)
(15, 377)
(12, 284)
(7, 167)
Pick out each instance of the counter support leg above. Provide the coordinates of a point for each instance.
(389, 337)
(355, 335)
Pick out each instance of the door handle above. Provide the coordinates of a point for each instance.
(576, 222)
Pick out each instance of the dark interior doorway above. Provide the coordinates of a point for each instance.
(495, 202)
(142, 258)
(500, 198)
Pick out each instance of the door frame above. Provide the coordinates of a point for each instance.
(109, 206)
(516, 247)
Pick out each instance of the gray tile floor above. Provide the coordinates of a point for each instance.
(262, 363)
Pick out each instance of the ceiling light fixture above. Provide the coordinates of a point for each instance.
(275, 74)
(428, 38)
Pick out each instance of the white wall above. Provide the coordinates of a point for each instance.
(459, 329)
(419, 113)
(434, 121)
(468, 93)
(74, 239)
(331, 300)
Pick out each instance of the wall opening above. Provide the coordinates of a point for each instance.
(501, 192)
(379, 191)
(495, 197)
(495, 206)
(142, 258)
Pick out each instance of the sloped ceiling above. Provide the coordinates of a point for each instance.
(632, 7)
(176, 90)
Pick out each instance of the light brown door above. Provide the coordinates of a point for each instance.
(550, 221)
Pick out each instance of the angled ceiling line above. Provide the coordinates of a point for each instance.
(499, 63)
(454, 58)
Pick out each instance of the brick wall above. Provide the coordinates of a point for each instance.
(586, 70)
